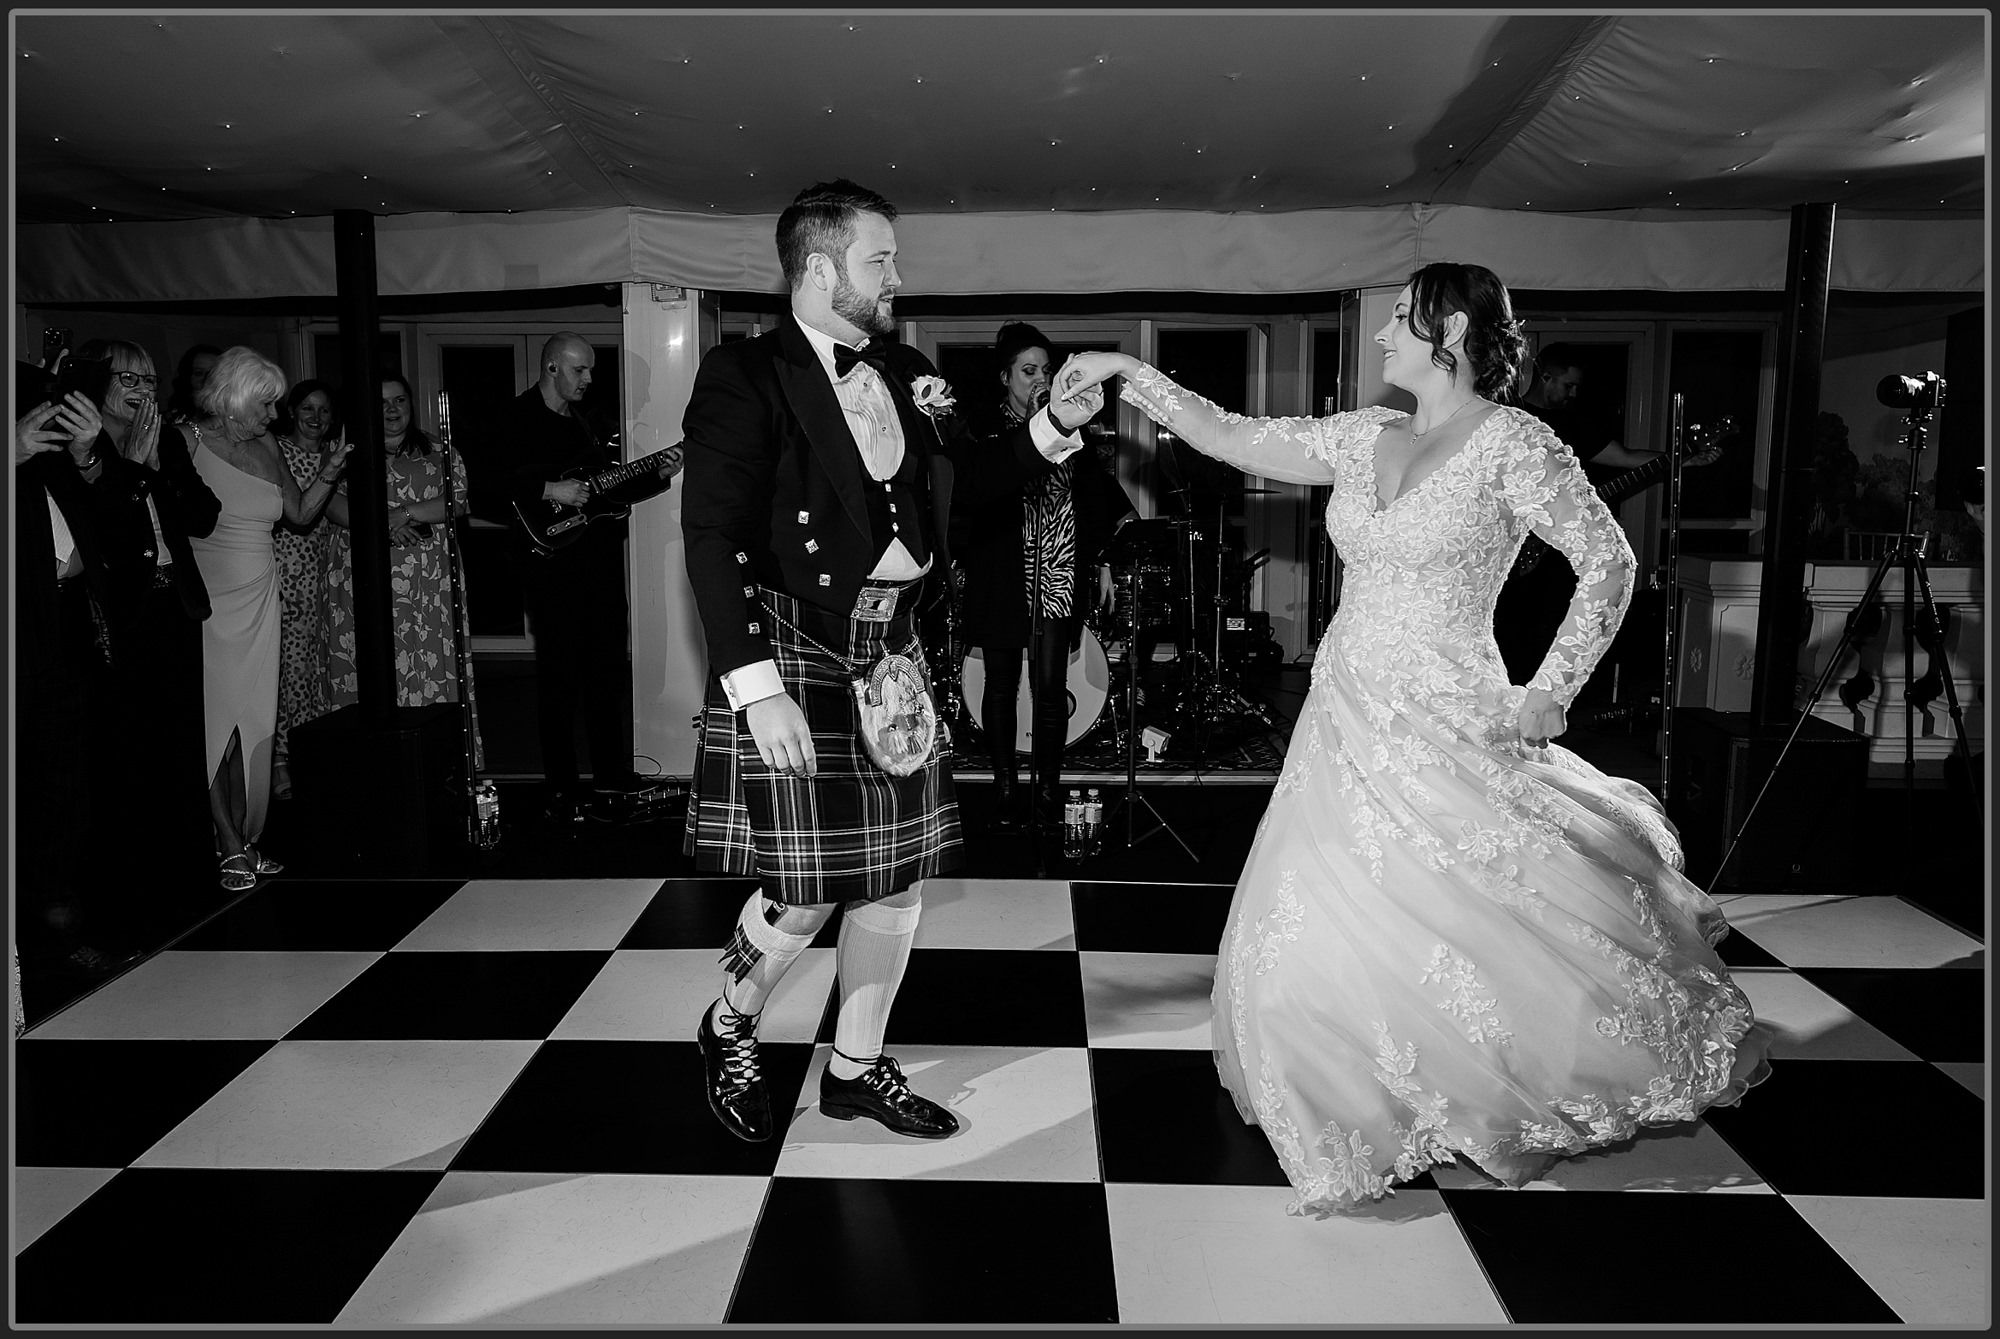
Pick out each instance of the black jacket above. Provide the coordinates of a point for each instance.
(988, 539)
(771, 469)
(188, 509)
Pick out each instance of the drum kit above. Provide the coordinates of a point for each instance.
(1149, 657)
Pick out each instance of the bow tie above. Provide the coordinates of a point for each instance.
(844, 358)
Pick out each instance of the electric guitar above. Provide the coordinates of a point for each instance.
(550, 526)
(1708, 449)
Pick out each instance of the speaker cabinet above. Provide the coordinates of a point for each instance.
(379, 799)
(1803, 832)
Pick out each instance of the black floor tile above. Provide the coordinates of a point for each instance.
(1777, 1270)
(1796, 1131)
(1150, 917)
(844, 1251)
(471, 996)
(701, 913)
(173, 1246)
(636, 1107)
(989, 997)
(1164, 1119)
(103, 1103)
(1739, 950)
(1939, 1012)
(325, 915)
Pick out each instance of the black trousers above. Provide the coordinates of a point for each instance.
(64, 737)
(999, 713)
(576, 606)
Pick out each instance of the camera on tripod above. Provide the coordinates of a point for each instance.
(1919, 395)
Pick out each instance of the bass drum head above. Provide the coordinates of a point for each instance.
(1087, 684)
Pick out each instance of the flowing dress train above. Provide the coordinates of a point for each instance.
(1447, 943)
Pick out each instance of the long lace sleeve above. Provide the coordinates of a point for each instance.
(1296, 450)
(1544, 486)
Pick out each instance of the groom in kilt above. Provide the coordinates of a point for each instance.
(818, 456)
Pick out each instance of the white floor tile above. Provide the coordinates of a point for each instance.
(1813, 930)
(1230, 1255)
(1929, 1259)
(1687, 1158)
(996, 913)
(1025, 1115)
(1968, 1072)
(367, 1104)
(496, 915)
(658, 994)
(529, 1249)
(1811, 1024)
(188, 996)
(43, 1197)
(1148, 1000)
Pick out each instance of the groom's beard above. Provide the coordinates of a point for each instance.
(872, 318)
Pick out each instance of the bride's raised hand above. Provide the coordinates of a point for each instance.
(1083, 371)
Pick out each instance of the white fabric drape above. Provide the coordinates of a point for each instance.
(1111, 252)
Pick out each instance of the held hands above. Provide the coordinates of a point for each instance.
(784, 741)
(1541, 718)
(32, 436)
(1078, 408)
(1083, 373)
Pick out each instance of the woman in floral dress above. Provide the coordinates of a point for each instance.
(419, 581)
(1452, 938)
(310, 421)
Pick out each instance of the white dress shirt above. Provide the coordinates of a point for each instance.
(878, 432)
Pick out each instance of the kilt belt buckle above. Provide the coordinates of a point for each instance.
(876, 604)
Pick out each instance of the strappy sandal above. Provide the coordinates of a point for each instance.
(260, 862)
(238, 873)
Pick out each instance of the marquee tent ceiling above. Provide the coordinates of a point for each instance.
(150, 117)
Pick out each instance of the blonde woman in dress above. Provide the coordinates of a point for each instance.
(1453, 938)
(239, 461)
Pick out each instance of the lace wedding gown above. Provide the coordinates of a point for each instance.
(1448, 943)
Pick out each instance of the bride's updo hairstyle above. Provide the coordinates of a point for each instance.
(1493, 338)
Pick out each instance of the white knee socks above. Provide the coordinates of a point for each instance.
(874, 949)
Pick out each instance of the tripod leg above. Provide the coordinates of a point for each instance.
(1944, 669)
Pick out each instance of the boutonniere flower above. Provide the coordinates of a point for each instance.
(933, 396)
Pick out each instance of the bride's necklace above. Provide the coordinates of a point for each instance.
(1416, 437)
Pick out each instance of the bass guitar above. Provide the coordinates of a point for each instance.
(1708, 449)
(550, 526)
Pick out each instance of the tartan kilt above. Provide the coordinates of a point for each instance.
(853, 833)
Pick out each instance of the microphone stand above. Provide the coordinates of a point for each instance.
(1035, 634)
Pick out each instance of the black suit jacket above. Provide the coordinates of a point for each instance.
(52, 474)
(188, 509)
(771, 467)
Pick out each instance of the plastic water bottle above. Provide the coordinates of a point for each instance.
(1093, 823)
(1073, 827)
(487, 800)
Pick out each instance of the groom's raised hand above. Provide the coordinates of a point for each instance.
(1073, 412)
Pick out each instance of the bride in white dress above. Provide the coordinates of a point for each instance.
(1452, 938)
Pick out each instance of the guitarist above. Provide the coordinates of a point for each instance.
(1533, 603)
(575, 595)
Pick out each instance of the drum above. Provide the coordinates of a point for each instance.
(1088, 684)
(1158, 588)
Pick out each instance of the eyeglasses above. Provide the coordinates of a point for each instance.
(130, 379)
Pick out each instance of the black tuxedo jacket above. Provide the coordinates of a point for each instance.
(772, 468)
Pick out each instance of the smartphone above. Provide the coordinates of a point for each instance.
(54, 341)
(89, 375)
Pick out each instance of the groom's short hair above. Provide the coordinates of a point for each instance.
(821, 218)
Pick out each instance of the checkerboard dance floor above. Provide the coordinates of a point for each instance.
(376, 1103)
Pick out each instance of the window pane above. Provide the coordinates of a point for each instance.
(1720, 372)
(1211, 363)
(480, 381)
